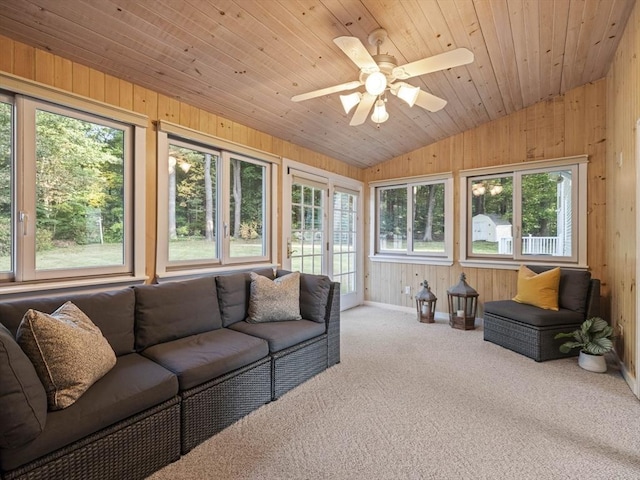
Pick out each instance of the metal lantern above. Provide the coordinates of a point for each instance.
(426, 304)
(463, 305)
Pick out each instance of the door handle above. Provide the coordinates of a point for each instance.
(289, 251)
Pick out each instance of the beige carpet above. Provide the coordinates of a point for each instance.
(420, 401)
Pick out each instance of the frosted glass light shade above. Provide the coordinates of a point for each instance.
(380, 114)
(409, 94)
(375, 83)
(350, 101)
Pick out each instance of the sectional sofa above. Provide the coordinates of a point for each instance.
(188, 364)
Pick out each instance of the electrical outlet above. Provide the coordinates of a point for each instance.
(407, 290)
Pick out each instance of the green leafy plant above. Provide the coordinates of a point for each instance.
(593, 337)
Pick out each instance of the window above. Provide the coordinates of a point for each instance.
(67, 190)
(214, 203)
(533, 212)
(413, 218)
(192, 203)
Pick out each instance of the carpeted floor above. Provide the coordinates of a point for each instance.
(424, 401)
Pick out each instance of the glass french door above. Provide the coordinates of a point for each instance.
(345, 246)
(321, 224)
(307, 238)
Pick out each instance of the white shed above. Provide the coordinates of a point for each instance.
(490, 228)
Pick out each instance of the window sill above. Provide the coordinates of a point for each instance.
(515, 264)
(413, 259)
(219, 270)
(12, 291)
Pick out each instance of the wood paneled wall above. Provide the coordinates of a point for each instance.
(623, 111)
(41, 66)
(571, 124)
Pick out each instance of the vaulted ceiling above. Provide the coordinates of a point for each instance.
(245, 59)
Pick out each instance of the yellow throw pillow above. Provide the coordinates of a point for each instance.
(538, 289)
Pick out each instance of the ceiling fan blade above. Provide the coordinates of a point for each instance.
(364, 107)
(357, 52)
(430, 102)
(454, 58)
(326, 91)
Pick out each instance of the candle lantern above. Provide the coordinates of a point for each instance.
(426, 304)
(463, 305)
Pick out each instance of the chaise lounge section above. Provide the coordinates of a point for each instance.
(530, 330)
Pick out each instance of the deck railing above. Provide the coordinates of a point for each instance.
(530, 246)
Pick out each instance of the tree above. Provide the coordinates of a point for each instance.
(172, 197)
(79, 170)
(428, 229)
(208, 189)
(237, 196)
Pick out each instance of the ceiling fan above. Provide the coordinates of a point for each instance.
(380, 73)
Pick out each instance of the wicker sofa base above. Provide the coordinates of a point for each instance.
(209, 408)
(534, 342)
(297, 364)
(133, 449)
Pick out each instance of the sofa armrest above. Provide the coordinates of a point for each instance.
(333, 324)
(593, 299)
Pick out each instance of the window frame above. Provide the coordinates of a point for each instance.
(8, 276)
(23, 278)
(163, 199)
(168, 133)
(410, 255)
(578, 259)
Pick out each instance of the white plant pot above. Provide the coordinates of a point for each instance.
(593, 363)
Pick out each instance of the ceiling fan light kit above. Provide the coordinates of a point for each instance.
(380, 114)
(378, 74)
(376, 83)
(349, 101)
(408, 93)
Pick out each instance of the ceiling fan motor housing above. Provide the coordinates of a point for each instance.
(386, 63)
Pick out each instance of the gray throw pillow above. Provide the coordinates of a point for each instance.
(274, 300)
(67, 350)
(23, 401)
(233, 295)
(314, 295)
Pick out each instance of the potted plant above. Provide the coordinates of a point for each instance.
(594, 339)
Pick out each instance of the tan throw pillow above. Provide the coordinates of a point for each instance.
(539, 290)
(67, 350)
(274, 300)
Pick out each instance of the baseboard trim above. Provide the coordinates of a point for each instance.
(630, 379)
(399, 308)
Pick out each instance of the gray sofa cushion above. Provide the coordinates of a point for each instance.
(314, 295)
(23, 401)
(573, 289)
(281, 335)
(233, 295)
(531, 315)
(132, 386)
(112, 312)
(199, 358)
(173, 310)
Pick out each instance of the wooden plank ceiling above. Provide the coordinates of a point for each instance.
(245, 59)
